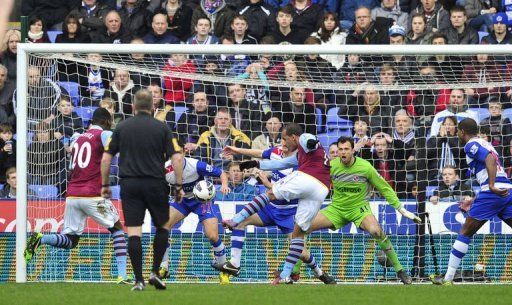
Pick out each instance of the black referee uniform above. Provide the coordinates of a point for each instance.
(144, 144)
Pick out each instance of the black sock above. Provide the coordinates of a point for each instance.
(159, 246)
(135, 251)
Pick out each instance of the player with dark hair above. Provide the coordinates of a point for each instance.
(83, 198)
(493, 200)
(309, 184)
(353, 178)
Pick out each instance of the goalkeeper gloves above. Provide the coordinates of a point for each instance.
(249, 164)
(409, 215)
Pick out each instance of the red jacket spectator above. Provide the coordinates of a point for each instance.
(176, 89)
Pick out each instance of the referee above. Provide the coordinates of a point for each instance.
(144, 144)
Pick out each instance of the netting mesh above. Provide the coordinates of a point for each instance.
(401, 110)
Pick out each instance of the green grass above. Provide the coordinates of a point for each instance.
(249, 294)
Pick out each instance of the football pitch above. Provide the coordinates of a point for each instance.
(249, 294)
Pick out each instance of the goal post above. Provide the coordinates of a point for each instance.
(349, 241)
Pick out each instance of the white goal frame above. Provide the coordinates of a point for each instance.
(25, 49)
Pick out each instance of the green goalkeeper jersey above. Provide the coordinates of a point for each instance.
(353, 185)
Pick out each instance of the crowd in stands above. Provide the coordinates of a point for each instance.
(408, 134)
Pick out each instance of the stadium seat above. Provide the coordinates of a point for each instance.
(481, 35)
(331, 136)
(334, 121)
(319, 120)
(52, 35)
(178, 111)
(85, 113)
(507, 113)
(2, 186)
(44, 191)
(73, 90)
(114, 166)
(116, 192)
(483, 113)
(430, 191)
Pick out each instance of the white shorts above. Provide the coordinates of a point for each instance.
(78, 209)
(309, 191)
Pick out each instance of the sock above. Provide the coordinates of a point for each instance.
(294, 252)
(57, 240)
(135, 251)
(165, 260)
(253, 207)
(296, 268)
(219, 251)
(387, 247)
(119, 243)
(459, 249)
(311, 263)
(237, 244)
(160, 243)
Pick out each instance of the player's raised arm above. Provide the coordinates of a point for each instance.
(387, 191)
(233, 150)
(285, 163)
(491, 165)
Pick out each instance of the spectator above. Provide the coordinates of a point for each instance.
(66, 123)
(240, 189)
(404, 150)
(160, 33)
(296, 110)
(329, 33)
(458, 32)
(141, 78)
(481, 70)
(195, 122)
(135, 17)
(90, 15)
(212, 142)
(8, 52)
(8, 149)
(418, 33)
(391, 9)
(47, 159)
(162, 112)
(176, 89)
(284, 33)
(37, 30)
(499, 128)
(333, 151)
(451, 188)
(347, 11)
(382, 158)
(218, 12)
(449, 67)
(246, 116)
(7, 88)
(388, 77)
(52, 13)
(113, 32)
(499, 33)
(9, 189)
(480, 13)
(271, 135)
(122, 91)
(217, 94)
(457, 107)
(369, 31)
(233, 64)
(240, 25)
(72, 32)
(93, 80)
(306, 15)
(368, 105)
(108, 104)
(445, 149)
(256, 94)
(354, 70)
(178, 16)
(260, 17)
(361, 137)
(437, 17)
(202, 36)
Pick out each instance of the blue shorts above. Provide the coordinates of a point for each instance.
(282, 218)
(487, 205)
(187, 206)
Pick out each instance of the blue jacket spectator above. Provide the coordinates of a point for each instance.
(329, 5)
(160, 34)
(240, 189)
(261, 18)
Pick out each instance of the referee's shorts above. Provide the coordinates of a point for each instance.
(139, 194)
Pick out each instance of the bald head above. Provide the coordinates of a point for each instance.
(143, 101)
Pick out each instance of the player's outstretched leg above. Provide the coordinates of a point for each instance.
(387, 247)
(253, 207)
(237, 244)
(120, 249)
(32, 245)
(63, 241)
(294, 253)
(459, 249)
(295, 276)
(310, 261)
(212, 233)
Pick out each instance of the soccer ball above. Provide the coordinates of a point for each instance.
(204, 190)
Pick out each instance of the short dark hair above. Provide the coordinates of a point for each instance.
(143, 100)
(100, 116)
(293, 129)
(287, 9)
(9, 171)
(344, 139)
(5, 128)
(469, 126)
(203, 17)
(241, 17)
(458, 9)
(438, 35)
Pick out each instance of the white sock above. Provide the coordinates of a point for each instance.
(459, 249)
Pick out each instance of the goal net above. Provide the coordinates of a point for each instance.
(401, 105)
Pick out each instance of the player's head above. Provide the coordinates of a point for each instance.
(143, 101)
(102, 118)
(346, 150)
(467, 129)
(290, 135)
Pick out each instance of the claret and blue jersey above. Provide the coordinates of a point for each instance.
(275, 153)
